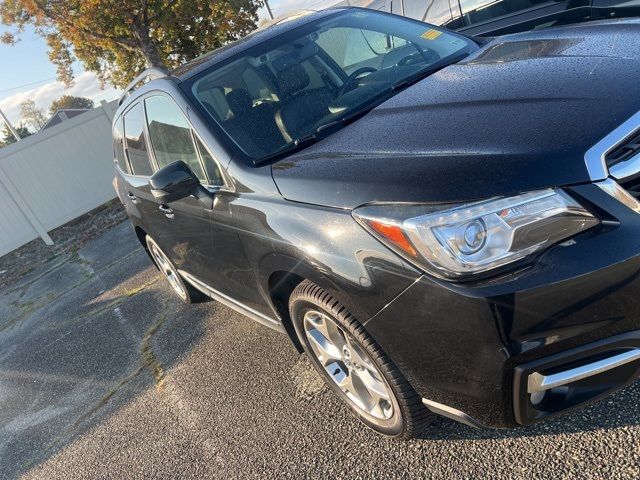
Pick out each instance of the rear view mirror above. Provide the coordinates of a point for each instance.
(173, 182)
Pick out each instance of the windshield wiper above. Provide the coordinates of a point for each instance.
(306, 140)
(377, 99)
(294, 146)
(430, 70)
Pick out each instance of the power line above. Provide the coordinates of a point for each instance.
(27, 85)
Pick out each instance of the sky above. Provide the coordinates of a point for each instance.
(27, 73)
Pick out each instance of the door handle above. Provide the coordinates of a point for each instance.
(133, 198)
(167, 211)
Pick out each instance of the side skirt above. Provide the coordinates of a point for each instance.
(239, 307)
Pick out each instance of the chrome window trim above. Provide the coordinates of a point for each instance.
(155, 92)
(160, 93)
(227, 186)
(136, 181)
(152, 160)
(595, 156)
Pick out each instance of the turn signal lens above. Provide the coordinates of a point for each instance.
(394, 234)
(457, 241)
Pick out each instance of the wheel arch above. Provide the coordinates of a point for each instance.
(142, 238)
(281, 274)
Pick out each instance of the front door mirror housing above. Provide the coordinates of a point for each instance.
(174, 182)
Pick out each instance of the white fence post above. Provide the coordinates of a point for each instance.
(109, 109)
(54, 176)
(24, 207)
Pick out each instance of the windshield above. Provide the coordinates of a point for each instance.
(284, 92)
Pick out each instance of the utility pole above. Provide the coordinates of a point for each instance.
(266, 4)
(402, 8)
(13, 130)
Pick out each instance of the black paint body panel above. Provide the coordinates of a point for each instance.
(459, 343)
(518, 115)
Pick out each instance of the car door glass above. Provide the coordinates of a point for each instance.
(118, 147)
(213, 171)
(170, 135)
(477, 11)
(136, 146)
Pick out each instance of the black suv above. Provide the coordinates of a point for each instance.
(444, 224)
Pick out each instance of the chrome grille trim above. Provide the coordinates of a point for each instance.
(626, 169)
(595, 157)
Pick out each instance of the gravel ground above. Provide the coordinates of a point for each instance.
(67, 238)
(103, 374)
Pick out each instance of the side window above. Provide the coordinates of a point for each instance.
(118, 146)
(136, 146)
(213, 171)
(170, 135)
(477, 11)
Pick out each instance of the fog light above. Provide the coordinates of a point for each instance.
(537, 397)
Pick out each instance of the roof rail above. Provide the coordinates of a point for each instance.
(148, 74)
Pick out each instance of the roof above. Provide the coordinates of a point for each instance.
(257, 37)
(62, 115)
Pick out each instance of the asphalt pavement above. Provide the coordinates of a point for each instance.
(104, 374)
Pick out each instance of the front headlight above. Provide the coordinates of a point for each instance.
(463, 240)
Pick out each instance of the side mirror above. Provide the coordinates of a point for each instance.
(173, 182)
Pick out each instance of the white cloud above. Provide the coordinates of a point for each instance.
(86, 85)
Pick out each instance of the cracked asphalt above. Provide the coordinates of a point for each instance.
(104, 374)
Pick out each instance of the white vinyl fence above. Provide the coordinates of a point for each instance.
(54, 176)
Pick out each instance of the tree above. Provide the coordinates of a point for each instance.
(7, 136)
(69, 101)
(117, 39)
(32, 115)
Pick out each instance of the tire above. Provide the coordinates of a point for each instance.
(187, 293)
(387, 403)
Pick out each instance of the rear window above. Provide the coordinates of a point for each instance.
(135, 142)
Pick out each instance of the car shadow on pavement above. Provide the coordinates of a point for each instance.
(78, 342)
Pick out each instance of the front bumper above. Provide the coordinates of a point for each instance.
(472, 347)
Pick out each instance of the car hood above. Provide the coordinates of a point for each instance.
(517, 115)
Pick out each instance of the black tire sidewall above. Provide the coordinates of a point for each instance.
(393, 427)
(192, 295)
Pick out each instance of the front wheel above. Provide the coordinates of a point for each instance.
(354, 366)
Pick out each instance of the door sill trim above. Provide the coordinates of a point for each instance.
(232, 303)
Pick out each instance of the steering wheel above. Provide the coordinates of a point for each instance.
(418, 57)
(349, 82)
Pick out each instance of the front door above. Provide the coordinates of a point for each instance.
(196, 234)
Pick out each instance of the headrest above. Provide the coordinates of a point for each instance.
(239, 101)
(292, 80)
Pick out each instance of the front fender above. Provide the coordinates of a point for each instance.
(324, 245)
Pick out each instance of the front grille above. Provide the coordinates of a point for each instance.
(628, 149)
(633, 187)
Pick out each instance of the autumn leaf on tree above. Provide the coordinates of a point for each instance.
(69, 101)
(117, 39)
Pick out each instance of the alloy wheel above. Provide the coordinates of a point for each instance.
(167, 269)
(348, 365)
